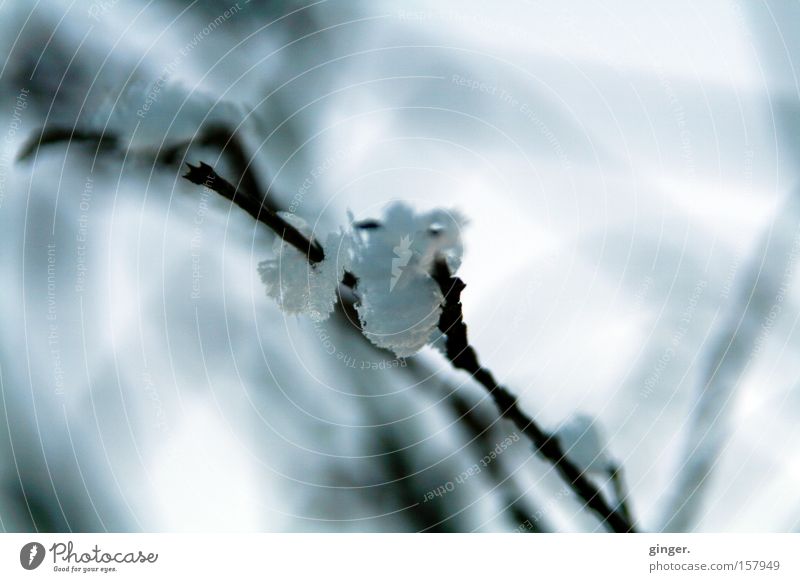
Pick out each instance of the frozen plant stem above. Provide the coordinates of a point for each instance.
(206, 176)
(463, 356)
(460, 353)
(451, 324)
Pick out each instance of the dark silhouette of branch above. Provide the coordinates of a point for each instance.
(231, 147)
(460, 353)
(463, 356)
(218, 136)
(247, 193)
(206, 176)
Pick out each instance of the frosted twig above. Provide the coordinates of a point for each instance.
(459, 352)
(206, 176)
(463, 356)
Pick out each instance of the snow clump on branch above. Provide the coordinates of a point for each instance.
(298, 286)
(398, 302)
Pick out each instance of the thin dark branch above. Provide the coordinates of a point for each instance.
(218, 136)
(460, 353)
(247, 194)
(258, 208)
(463, 356)
(451, 323)
(206, 176)
(231, 147)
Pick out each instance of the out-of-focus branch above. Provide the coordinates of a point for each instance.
(739, 339)
(463, 356)
(54, 135)
(620, 492)
(479, 424)
(762, 285)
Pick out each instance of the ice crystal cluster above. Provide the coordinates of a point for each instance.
(398, 302)
(298, 286)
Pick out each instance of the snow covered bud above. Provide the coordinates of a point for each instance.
(399, 303)
(298, 286)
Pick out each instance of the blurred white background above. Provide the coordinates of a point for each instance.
(629, 174)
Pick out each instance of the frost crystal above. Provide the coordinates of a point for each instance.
(581, 441)
(299, 287)
(399, 303)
